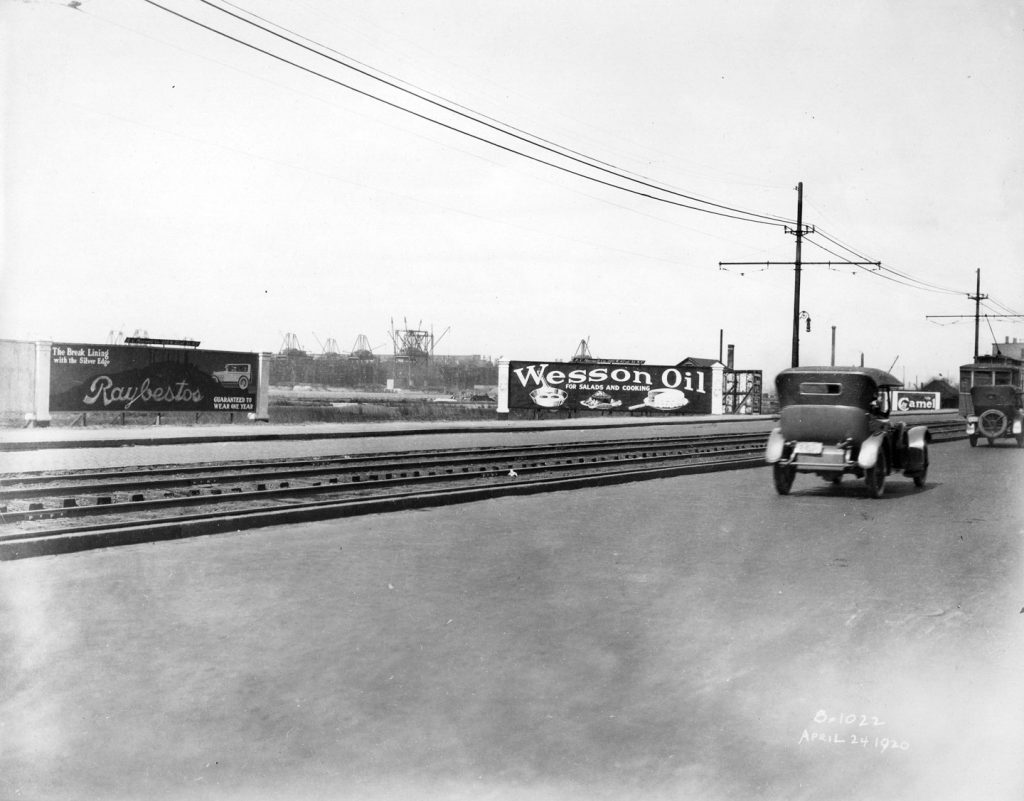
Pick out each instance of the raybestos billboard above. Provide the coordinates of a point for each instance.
(117, 378)
(609, 387)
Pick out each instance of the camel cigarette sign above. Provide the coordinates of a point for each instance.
(905, 401)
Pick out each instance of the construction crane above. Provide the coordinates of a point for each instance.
(330, 348)
(583, 352)
(290, 345)
(362, 350)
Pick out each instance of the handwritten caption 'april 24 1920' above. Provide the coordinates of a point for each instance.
(844, 729)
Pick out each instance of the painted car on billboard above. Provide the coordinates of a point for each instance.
(609, 387)
(234, 375)
(117, 378)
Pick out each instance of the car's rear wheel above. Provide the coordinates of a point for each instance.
(243, 383)
(973, 439)
(919, 479)
(876, 476)
(783, 476)
(1020, 440)
(992, 423)
(991, 441)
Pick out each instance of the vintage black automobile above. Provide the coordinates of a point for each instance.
(996, 411)
(834, 421)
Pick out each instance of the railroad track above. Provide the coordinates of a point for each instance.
(45, 513)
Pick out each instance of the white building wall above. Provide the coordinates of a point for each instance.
(18, 378)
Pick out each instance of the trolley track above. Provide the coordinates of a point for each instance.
(43, 512)
(74, 493)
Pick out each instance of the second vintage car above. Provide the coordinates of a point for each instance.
(996, 412)
(834, 421)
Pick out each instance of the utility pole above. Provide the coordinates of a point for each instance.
(800, 231)
(833, 362)
(977, 297)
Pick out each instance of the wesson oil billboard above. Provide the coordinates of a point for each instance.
(609, 387)
(116, 378)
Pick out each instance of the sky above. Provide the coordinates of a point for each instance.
(160, 177)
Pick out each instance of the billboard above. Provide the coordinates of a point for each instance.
(609, 387)
(117, 378)
(905, 401)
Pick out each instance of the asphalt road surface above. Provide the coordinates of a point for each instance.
(691, 638)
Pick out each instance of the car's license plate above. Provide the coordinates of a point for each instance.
(810, 448)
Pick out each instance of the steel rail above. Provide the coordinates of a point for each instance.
(18, 482)
(395, 476)
(355, 469)
(65, 540)
(371, 496)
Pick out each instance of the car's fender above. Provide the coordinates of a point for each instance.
(776, 443)
(918, 437)
(869, 450)
(915, 457)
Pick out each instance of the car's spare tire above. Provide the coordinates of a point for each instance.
(992, 423)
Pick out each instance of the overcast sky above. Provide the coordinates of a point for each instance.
(161, 177)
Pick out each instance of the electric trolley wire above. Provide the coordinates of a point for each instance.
(1001, 313)
(916, 281)
(1003, 310)
(767, 221)
(1002, 307)
(876, 271)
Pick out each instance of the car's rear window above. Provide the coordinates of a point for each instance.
(811, 388)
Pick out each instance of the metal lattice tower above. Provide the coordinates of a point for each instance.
(412, 344)
(583, 352)
(741, 391)
(290, 344)
(414, 347)
(361, 349)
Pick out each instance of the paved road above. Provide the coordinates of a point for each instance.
(690, 638)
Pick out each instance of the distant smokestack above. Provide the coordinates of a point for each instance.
(731, 350)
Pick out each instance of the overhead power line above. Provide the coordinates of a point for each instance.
(746, 216)
(476, 116)
(915, 282)
(888, 273)
(708, 207)
(1003, 307)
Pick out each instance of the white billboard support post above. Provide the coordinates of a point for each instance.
(263, 391)
(41, 410)
(717, 383)
(503, 386)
